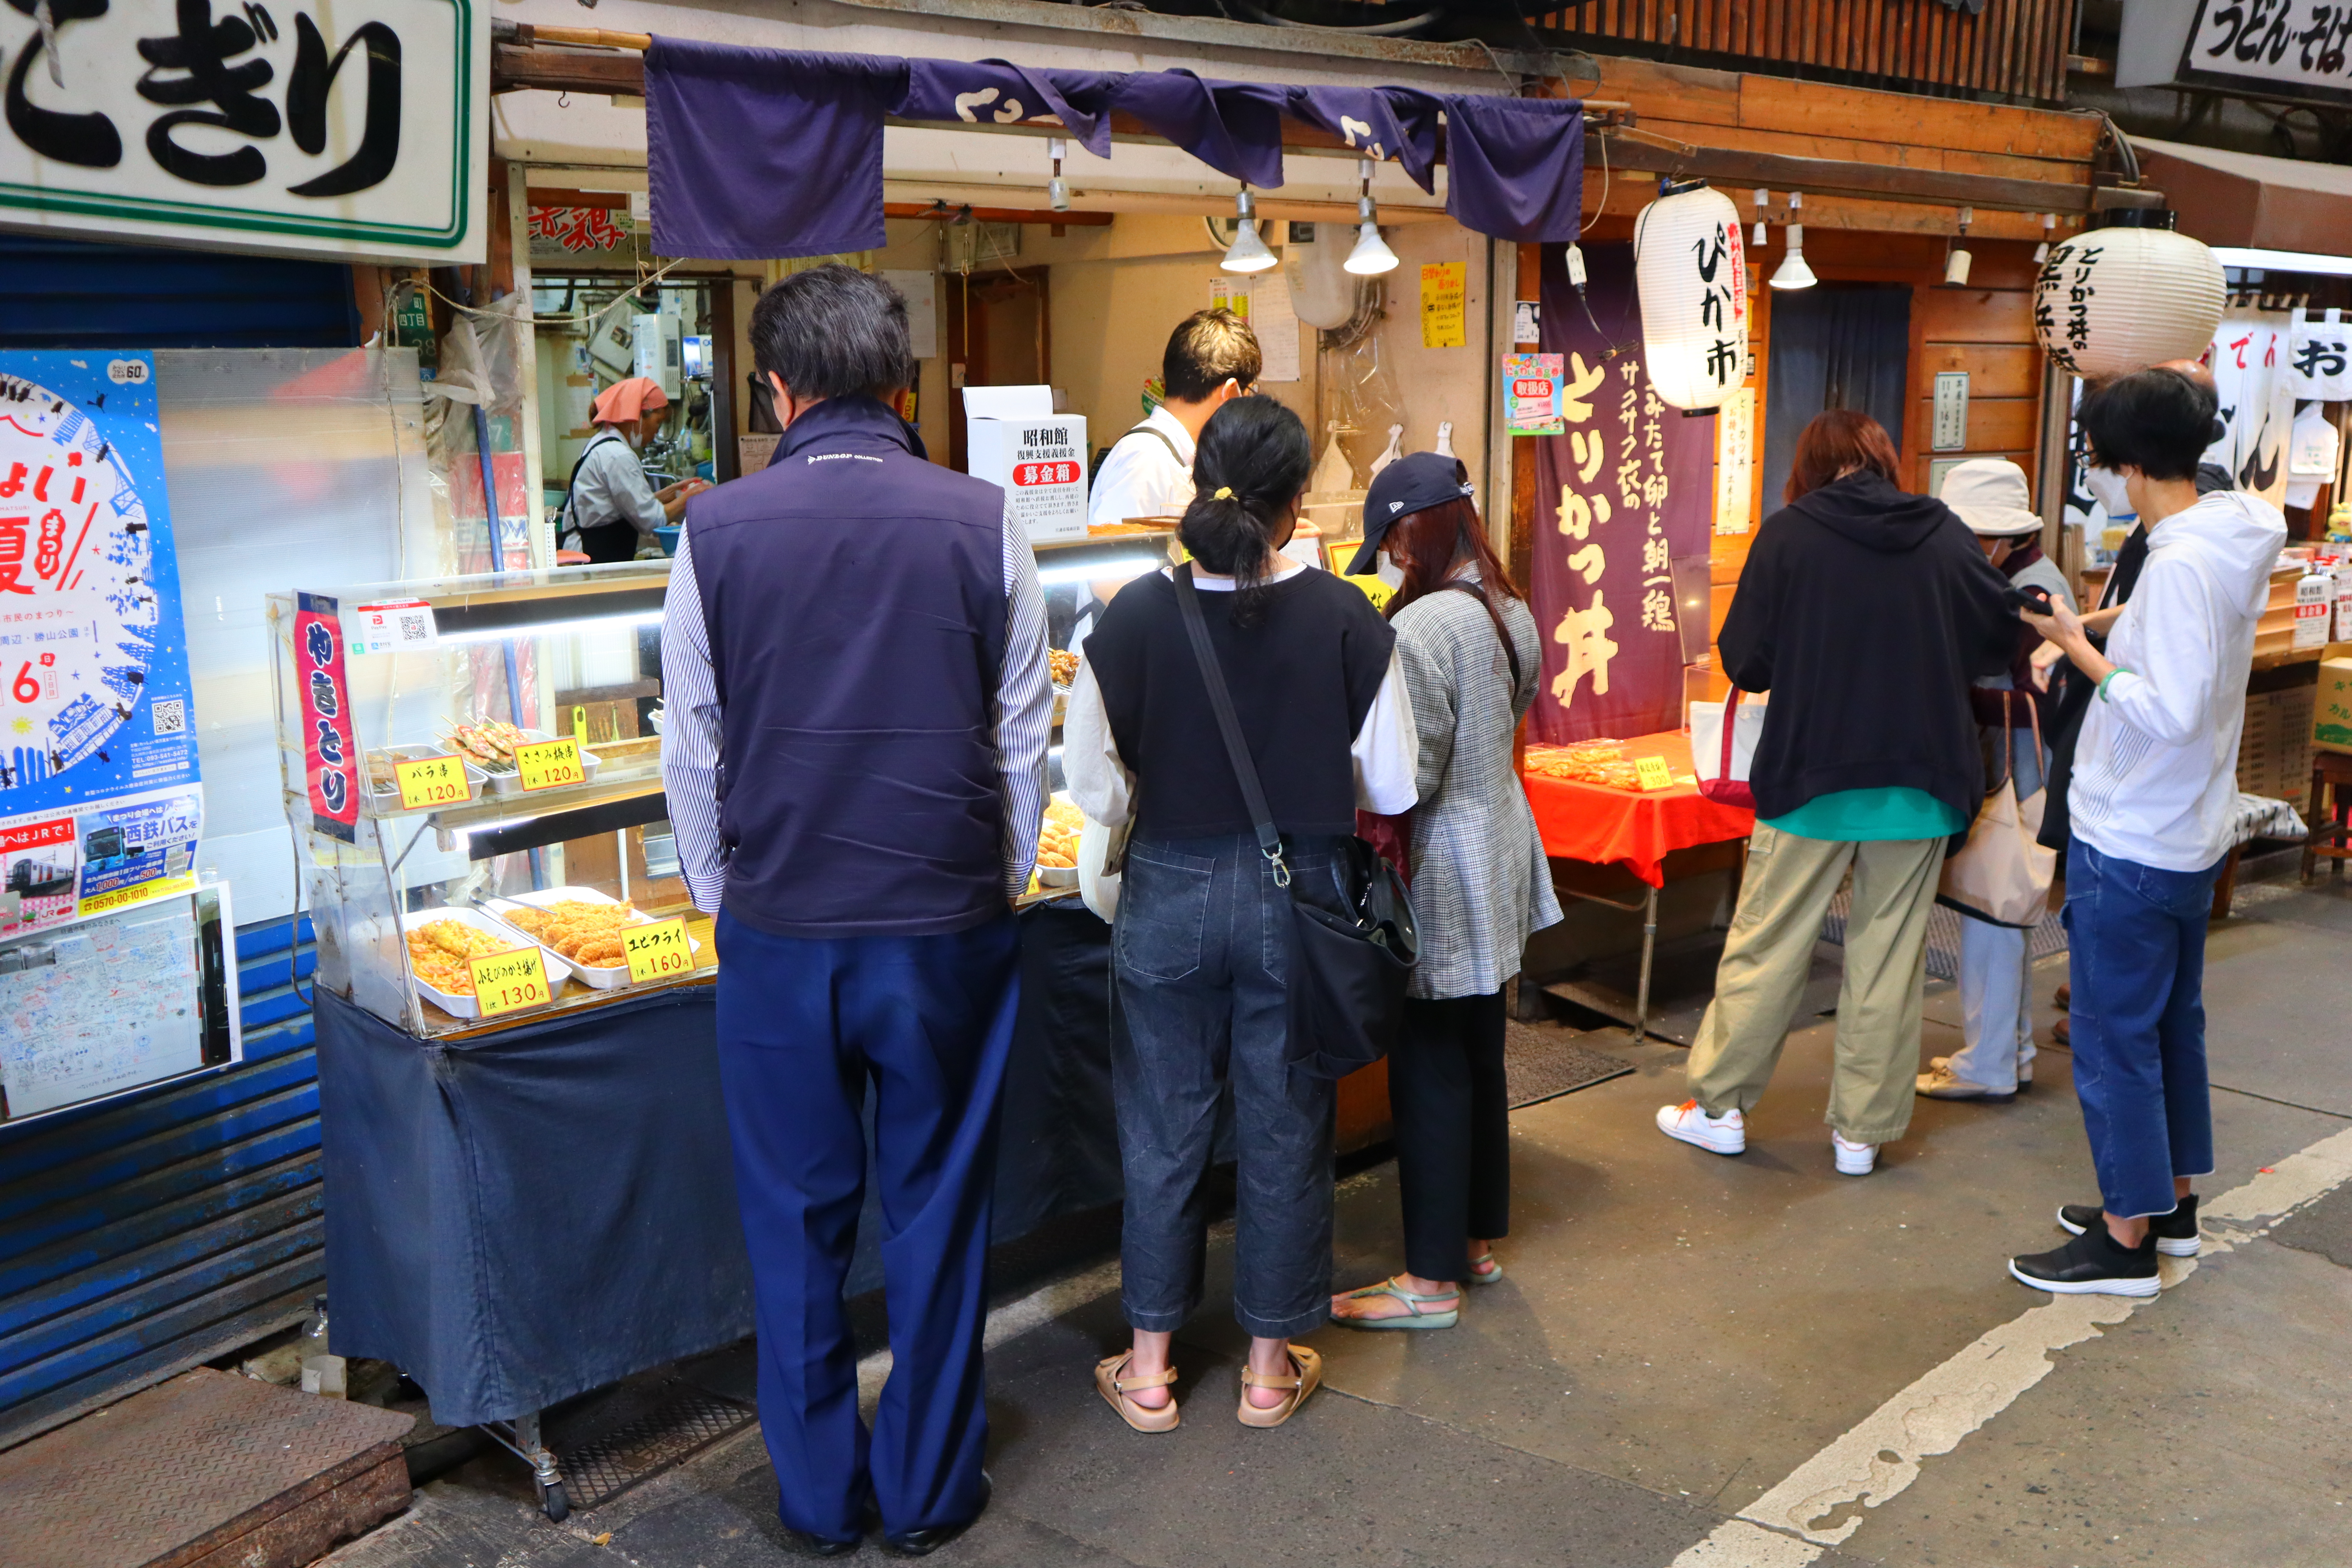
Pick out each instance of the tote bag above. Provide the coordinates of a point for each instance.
(1348, 971)
(2002, 876)
(1722, 753)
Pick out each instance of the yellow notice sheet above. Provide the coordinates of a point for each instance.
(1444, 285)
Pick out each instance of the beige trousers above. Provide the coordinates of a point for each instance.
(1789, 885)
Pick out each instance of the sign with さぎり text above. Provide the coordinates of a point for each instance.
(658, 950)
(506, 981)
(357, 131)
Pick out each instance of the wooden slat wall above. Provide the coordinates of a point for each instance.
(2016, 49)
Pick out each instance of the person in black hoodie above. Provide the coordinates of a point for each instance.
(1866, 612)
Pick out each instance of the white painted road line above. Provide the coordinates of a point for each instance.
(1825, 1498)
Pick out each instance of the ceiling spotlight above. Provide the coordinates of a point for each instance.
(1247, 253)
(1792, 272)
(1957, 259)
(2049, 226)
(1763, 200)
(1372, 256)
(1057, 189)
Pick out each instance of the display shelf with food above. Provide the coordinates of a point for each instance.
(536, 693)
(441, 943)
(584, 927)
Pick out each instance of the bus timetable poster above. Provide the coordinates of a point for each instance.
(98, 753)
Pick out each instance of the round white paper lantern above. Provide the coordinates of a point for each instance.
(2122, 299)
(1692, 274)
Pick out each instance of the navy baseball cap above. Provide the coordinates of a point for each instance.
(1413, 483)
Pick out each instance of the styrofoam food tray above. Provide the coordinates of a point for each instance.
(456, 1007)
(511, 784)
(602, 978)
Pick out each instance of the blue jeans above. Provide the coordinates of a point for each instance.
(805, 1026)
(2138, 1024)
(1199, 952)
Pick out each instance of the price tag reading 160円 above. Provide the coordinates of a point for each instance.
(506, 981)
(549, 765)
(658, 950)
(431, 781)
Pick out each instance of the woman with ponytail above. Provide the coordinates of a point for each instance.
(1472, 660)
(1200, 945)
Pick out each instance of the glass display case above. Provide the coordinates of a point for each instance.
(472, 770)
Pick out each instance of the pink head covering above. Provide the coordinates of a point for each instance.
(625, 400)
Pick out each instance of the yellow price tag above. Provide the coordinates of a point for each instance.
(549, 765)
(1652, 772)
(658, 951)
(431, 781)
(505, 982)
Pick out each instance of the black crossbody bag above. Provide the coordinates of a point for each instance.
(1347, 971)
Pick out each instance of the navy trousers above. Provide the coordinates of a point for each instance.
(803, 1026)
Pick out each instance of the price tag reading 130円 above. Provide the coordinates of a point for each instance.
(1652, 772)
(658, 950)
(549, 765)
(506, 981)
(431, 781)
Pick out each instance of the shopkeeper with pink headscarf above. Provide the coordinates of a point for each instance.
(611, 512)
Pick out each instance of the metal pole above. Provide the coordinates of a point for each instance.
(1649, 949)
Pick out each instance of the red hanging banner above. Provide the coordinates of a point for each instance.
(329, 762)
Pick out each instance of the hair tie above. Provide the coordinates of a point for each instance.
(1224, 492)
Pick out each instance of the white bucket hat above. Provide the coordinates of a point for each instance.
(1991, 496)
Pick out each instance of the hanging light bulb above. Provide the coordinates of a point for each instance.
(2049, 226)
(1792, 272)
(1247, 253)
(1372, 256)
(1057, 189)
(1763, 200)
(1957, 259)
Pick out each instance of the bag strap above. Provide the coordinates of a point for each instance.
(1159, 436)
(1730, 716)
(1213, 676)
(1511, 652)
(570, 523)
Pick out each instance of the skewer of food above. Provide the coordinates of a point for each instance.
(489, 745)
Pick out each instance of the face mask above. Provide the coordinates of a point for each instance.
(2107, 485)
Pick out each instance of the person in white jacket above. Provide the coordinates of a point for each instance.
(2154, 792)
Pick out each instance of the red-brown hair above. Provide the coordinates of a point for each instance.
(1839, 439)
(1427, 544)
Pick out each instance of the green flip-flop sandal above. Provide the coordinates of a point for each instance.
(1416, 1315)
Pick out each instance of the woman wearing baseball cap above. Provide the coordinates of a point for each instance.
(1472, 658)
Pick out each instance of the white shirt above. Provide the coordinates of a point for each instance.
(1386, 751)
(1140, 477)
(610, 487)
(2155, 767)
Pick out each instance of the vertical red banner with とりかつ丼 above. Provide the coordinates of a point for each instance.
(329, 755)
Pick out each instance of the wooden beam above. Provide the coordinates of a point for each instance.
(1781, 171)
(943, 212)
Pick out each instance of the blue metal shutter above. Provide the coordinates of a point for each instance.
(143, 1235)
(65, 294)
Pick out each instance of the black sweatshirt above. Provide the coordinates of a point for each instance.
(1866, 612)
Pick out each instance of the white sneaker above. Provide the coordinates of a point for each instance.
(1724, 1134)
(1852, 1159)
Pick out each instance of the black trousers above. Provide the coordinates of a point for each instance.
(1452, 1108)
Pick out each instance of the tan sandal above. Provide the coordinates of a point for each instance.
(1310, 1375)
(1114, 1388)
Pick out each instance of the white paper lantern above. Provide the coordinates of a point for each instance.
(2122, 299)
(1691, 271)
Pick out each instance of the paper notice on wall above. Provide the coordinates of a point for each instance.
(921, 291)
(1443, 288)
(1229, 293)
(752, 452)
(1275, 322)
(1735, 461)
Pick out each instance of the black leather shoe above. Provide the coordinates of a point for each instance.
(930, 1538)
(818, 1545)
(2092, 1264)
(2176, 1233)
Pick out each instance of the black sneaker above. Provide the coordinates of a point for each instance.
(2092, 1264)
(2176, 1233)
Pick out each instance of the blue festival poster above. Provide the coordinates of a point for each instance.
(94, 692)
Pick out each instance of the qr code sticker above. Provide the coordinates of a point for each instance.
(171, 715)
(414, 629)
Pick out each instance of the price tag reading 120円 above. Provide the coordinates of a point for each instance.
(549, 765)
(431, 781)
(658, 950)
(1652, 772)
(505, 982)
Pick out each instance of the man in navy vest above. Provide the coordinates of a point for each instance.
(854, 653)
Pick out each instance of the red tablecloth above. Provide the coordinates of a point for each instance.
(1632, 828)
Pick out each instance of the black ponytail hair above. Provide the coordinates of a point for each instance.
(1252, 462)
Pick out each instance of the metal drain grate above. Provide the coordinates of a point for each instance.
(688, 1420)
